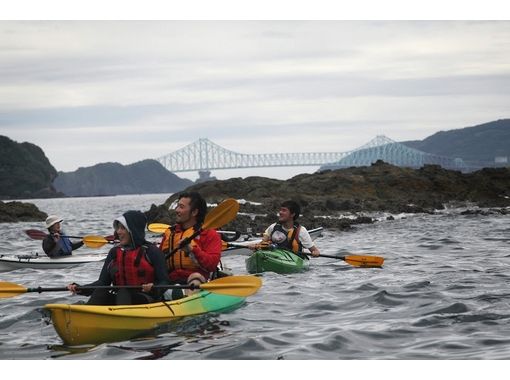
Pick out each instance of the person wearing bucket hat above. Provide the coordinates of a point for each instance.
(135, 261)
(56, 244)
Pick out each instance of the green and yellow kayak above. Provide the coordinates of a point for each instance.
(90, 324)
(277, 260)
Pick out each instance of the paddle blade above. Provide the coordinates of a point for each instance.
(158, 228)
(36, 234)
(9, 289)
(93, 241)
(240, 286)
(364, 261)
(222, 214)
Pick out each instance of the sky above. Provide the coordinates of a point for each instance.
(122, 91)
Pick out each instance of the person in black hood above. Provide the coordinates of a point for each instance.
(134, 261)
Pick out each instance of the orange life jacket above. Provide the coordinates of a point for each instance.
(180, 259)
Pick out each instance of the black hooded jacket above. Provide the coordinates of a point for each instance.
(136, 222)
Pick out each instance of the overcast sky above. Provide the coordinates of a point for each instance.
(103, 91)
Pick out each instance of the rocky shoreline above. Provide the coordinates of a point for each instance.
(338, 199)
(327, 197)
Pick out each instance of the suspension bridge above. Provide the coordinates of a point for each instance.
(204, 155)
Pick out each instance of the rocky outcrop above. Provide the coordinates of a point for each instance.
(379, 187)
(25, 171)
(12, 212)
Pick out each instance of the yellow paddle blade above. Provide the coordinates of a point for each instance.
(240, 286)
(93, 241)
(158, 228)
(222, 214)
(9, 289)
(364, 261)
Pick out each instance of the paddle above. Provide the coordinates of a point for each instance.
(361, 261)
(358, 260)
(91, 241)
(158, 228)
(239, 286)
(225, 245)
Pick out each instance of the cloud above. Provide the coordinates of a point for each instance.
(123, 91)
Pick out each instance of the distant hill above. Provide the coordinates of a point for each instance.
(479, 143)
(112, 178)
(25, 171)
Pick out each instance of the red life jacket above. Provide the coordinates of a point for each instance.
(133, 267)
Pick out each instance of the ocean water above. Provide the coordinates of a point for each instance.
(443, 293)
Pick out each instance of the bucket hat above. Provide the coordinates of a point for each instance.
(52, 219)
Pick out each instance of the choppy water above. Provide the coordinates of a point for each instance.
(443, 294)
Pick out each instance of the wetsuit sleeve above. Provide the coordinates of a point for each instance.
(50, 247)
(76, 245)
(105, 278)
(157, 260)
(208, 250)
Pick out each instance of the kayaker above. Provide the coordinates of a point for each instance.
(287, 233)
(134, 261)
(196, 261)
(56, 244)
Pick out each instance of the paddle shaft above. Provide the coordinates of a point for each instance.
(241, 286)
(233, 245)
(358, 260)
(183, 243)
(110, 287)
(41, 235)
(330, 256)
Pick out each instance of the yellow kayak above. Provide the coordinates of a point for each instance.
(90, 324)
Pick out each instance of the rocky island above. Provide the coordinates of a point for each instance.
(12, 212)
(327, 197)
